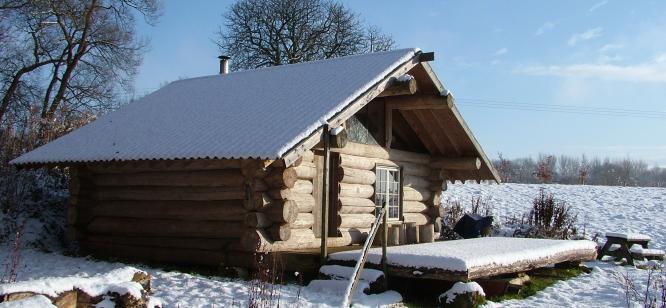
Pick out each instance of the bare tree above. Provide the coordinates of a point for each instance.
(274, 32)
(69, 55)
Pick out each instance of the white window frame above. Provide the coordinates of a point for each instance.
(387, 191)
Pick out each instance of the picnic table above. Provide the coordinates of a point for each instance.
(619, 245)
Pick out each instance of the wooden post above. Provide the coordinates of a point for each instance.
(384, 242)
(388, 126)
(325, 195)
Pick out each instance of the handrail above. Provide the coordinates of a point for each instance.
(358, 269)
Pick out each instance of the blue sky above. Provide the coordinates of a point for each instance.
(499, 58)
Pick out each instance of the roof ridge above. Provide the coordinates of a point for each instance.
(290, 65)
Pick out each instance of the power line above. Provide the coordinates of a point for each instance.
(598, 111)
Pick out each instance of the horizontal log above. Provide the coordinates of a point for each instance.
(305, 171)
(366, 163)
(305, 202)
(308, 156)
(405, 86)
(282, 211)
(259, 240)
(164, 165)
(300, 239)
(168, 193)
(257, 202)
(303, 221)
(257, 220)
(356, 176)
(417, 218)
(302, 189)
(230, 210)
(358, 202)
(187, 256)
(282, 178)
(415, 194)
(355, 190)
(356, 235)
(359, 162)
(280, 232)
(414, 169)
(355, 220)
(375, 151)
(356, 209)
(415, 181)
(166, 228)
(459, 163)
(213, 178)
(164, 242)
(414, 207)
(253, 168)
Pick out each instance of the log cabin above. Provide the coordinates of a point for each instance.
(290, 158)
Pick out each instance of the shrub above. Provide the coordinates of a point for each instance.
(653, 294)
(264, 288)
(548, 218)
(33, 201)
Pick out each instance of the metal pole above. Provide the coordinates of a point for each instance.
(325, 195)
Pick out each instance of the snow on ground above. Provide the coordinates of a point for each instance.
(177, 289)
(602, 209)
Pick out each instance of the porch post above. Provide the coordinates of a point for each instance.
(325, 195)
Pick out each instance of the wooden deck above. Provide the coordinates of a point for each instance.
(453, 260)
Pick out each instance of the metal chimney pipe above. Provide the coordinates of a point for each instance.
(224, 64)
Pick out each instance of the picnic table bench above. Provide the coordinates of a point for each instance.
(621, 245)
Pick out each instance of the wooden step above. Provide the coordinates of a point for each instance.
(374, 278)
(336, 287)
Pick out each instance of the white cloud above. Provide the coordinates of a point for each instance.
(584, 36)
(545, 27)
(653, 71)
(605, 53)
(501, 51)
(609, 47)
(598, 5)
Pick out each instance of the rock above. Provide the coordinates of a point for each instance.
(15, 296)
(143, 279)
(463, 295)
(66, 299)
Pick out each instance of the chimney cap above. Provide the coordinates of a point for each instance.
(224, 57)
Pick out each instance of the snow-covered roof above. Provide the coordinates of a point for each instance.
(260, 113)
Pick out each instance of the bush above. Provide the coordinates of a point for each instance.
(33, 203)
(648, 293)
(548, 218)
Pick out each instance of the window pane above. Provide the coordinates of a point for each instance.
(393, 212)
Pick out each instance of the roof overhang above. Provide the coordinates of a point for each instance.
(434, 117)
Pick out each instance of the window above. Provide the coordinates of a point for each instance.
(387, 190)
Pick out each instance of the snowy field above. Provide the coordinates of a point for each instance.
(603, 209)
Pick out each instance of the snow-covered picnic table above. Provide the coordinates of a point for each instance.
(629, 246)
(464, 260)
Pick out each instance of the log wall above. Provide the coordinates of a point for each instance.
(194, 212)
(211, 212)
(421, 191)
